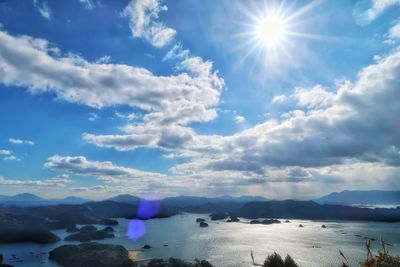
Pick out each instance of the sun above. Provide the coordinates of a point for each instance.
(271, 30)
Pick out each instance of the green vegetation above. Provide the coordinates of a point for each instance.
(91, 254)
(26, 235)
(275, 260)
(382, 259)
(172, 262)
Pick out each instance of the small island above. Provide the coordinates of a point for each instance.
(89, 233)
(91, 254)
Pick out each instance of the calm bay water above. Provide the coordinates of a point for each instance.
(229, 244)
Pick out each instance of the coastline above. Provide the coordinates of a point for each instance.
(134, 257)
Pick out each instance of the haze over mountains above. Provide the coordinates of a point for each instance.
(346, 197)
(27, 199)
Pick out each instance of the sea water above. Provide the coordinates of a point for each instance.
(229, 244)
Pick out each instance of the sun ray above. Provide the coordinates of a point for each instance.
(303, 10)
(273, 28)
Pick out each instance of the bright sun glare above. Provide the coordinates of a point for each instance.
(271, 30)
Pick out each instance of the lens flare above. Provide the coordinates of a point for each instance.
(136, 229)
(148, 208)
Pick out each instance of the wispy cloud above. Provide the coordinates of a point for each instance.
(88, 4)
(43, 8)
(93, 117)
(239, 119)
(394, 32)
(79, 165)
(143, 16)
(53, 182)
(11, 158)
(5, 152)
(20, 141)
(378, 7)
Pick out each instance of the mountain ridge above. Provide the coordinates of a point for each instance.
(354, 197)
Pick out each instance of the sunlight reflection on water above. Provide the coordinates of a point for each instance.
(229, 244)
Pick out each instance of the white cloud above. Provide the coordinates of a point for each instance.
(76, 80)
(170, 102)
(279, 99)
(88, 4)
(104, 60)
(239, 119)
(143, 16)
(378, 7)
(16, 141)
(5, 152)
(394, 32)
(345, 130)
(11, 158)
(356, 124)
(53, 182)
(106, 170)
(43, 9)
(316, 97)
(127, 116)
(177, 52)
(93, 117)
(116, 179)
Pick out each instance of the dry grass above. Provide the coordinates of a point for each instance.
(382, 259)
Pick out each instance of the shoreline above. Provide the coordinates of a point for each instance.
(134, 257)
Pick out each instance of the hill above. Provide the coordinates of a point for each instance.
(126, 198)
(362, 197)
(185, 201)
(29, 200)
(310, 210)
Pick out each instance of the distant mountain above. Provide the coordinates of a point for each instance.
(244, 198)
(310, 210)
(126, 198)
(26, 199)
(70, 200)
(362, 197)
(183, 201)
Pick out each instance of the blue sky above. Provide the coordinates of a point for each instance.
(162, 98)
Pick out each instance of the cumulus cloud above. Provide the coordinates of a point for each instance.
(143, 21)
(357, 123)
(43, 8)
(105, 170)
(16, 141)
(29, 62)
(118, 179)
(336, 136)
(316, 97)
(170, 102)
